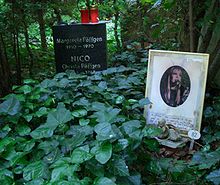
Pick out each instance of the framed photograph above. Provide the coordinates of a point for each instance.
(175, 86)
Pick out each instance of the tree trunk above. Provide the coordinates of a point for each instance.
(205, 35)
(5, 73)
(17, 57)
(15, 46)
(209, 41)
(41, 23)
(116, 14)
(57, 12)
(27, 43)
(214, 51)
(215, 39)
(214, 67)
(141, 22)
(19, 61)
(191, 26)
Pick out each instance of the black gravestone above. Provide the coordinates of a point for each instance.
(80, 47)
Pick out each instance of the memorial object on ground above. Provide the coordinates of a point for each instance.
(176, 87)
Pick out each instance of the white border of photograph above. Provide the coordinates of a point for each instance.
(188, 115)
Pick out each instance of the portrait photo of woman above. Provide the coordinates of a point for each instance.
(175, 86)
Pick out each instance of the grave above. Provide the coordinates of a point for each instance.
(80, 47)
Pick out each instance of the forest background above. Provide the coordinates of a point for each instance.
(27, 66)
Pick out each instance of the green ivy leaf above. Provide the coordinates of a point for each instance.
(79, 113)
(49, 102)
(27, 145)
(5, 142)
(42, 131)
(29, 105)
(109, 71)
(73, 142)
(30, 81)
(28, 117)
(59, 172)
(4, 131)
(62, 171)
(41, 112)
(141, 103)
(82, 102)
(120, 168)
(19, 169)
(85, 83)
(206, 160)
(97, 106)
(6, 180)
(152, 145)
(25, 89)
(48, 146)
(34, 171)
(85, 181)
(119, 99)
(121, 145)
(81, 154)
(103, 181)
(108, 115)
(84, 122)
(214, 177)
(35, 95)
(35, 182)
(6, 172)
(209, 112)
(10, 106)
(64, 82)
(80, 130)
(23, 130)
(132, 101)
(131, 126)
(132, 129)
(102, 152)
(130, 180)
(61, 182)
(151, 131)
(144, 101)
(95, 168)
(59, 76)
(12, 156)
(47, 83)
(52, 156)
(102, 85)
(104, 131)
(61, 116)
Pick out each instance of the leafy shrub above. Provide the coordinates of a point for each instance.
(74, 129)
